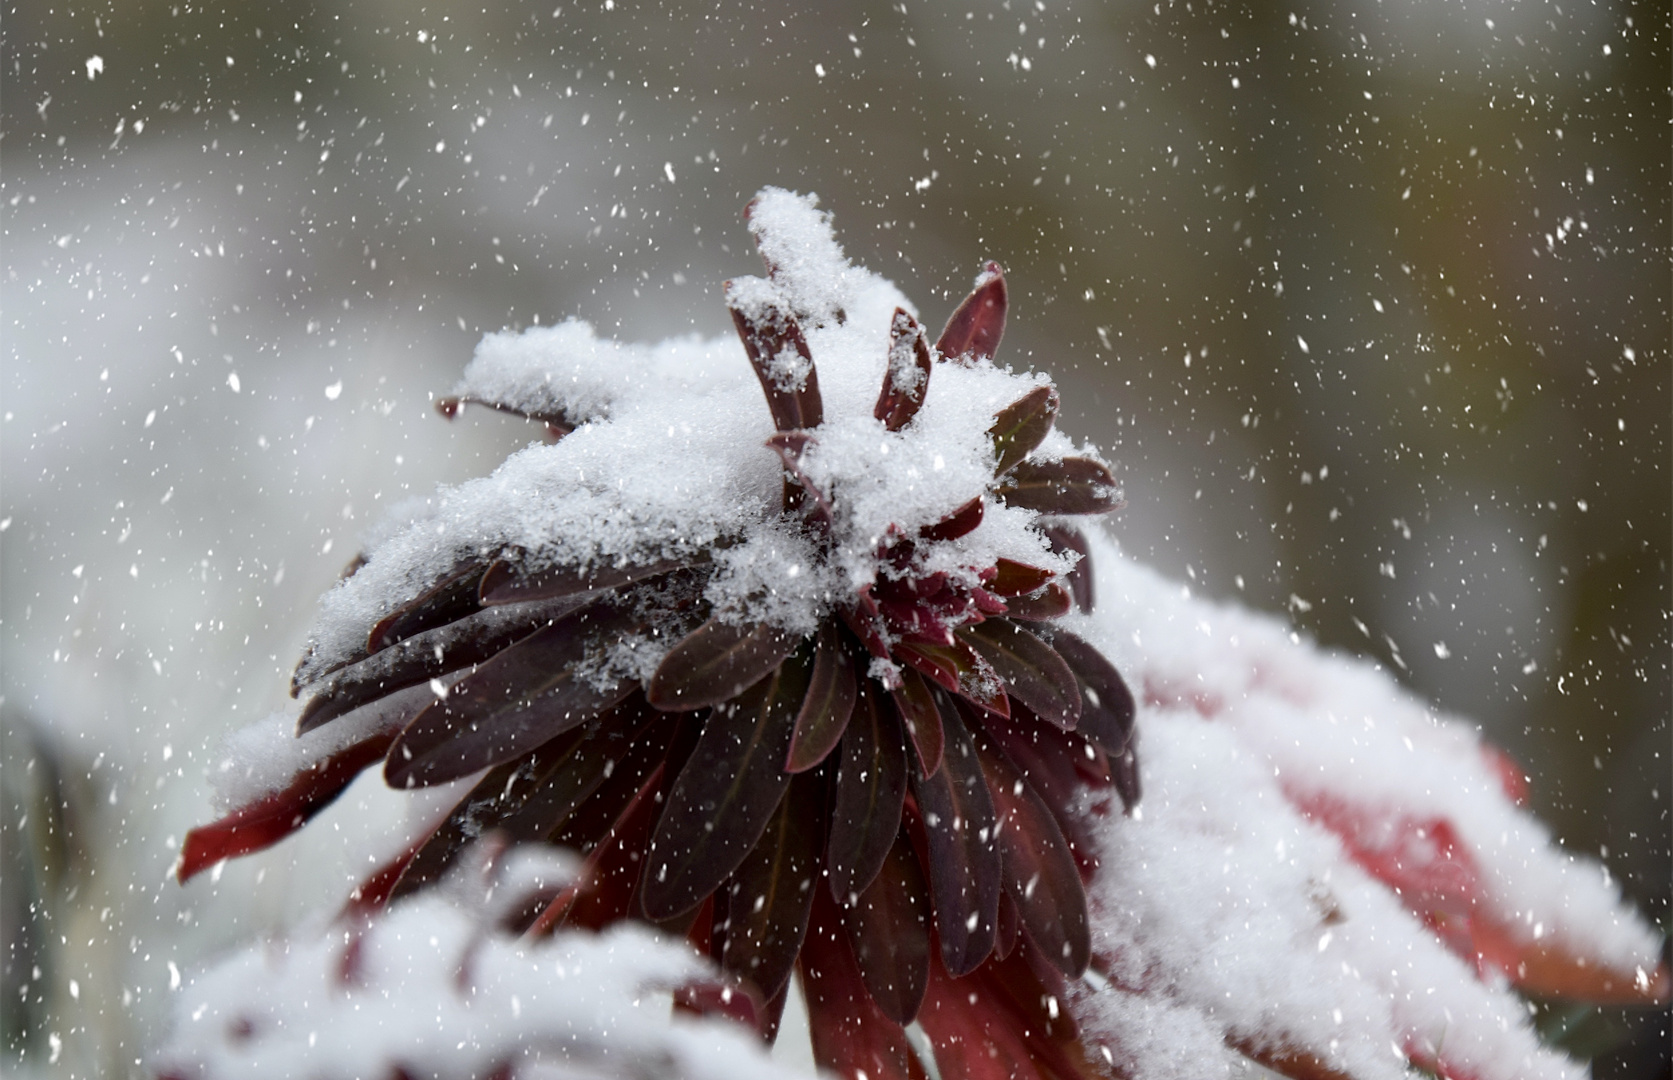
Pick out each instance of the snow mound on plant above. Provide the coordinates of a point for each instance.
(1227, 910)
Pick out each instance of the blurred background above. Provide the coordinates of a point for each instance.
(1369, 300)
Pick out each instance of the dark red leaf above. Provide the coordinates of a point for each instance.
(1052, 602)
(889, 933)
(870, 788)
(1010, 925)
(1107, 707)
(529, 798)
(916, 704)
(799, 488)
(1074, 485)
(768, 897)
(956, 524)
(265, 822)
(959, 669)
(906, 375)
(557, 425)
(448, 600)
(1017, 579)
(1032, 672)
(510, 582)
(828, 705)
(511, 704)
(1041, 877)
(1021, 426)
(717, 662)
(851, 1035)
(778, 352)
(622, 815)
(976, 327)
(1066, 539)
(1125, 769)
(1058, 765)
(424, 657)
(962, 851)
(726, 793)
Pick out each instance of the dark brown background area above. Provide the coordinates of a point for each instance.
(1369, 301)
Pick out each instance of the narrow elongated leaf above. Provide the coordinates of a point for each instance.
(1033, 673)
(963, 852)
(726, 793)
(889, 933)
(799, 489)
(906, 376)
(1107, 707)
(717, 662)
(768, 898)
(1058, 766)
(778, 352)
(265, 822)
(605, 891)
(451, 598)
(524, 696)
(1010, 925)
(1074, 485)
(870, 789)
(975, 328)
(1066, 539)
(1040, 874)
(1052, 602)
(529, 798)
(851, 1035)
(557, 425)
(510, 582)
(828, 705)
(956, 524)
(1021, 426)
(957, 668)
(424, 657)
(916, 704)
(1017, 579)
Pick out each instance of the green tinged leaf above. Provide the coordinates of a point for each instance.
(1021, 426)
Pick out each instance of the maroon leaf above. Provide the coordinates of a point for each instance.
(956, 524)
(557, 425)
(888, 932)
(1021, 426)
(799, 488)
(451, 598)
(1052, 602)
(769, 896)
(1058, 766)
(1074, 485)
(1010, 924)
(509, 582)
(1033, 673)
(778, 352)
(529, 798)
(916, 704)
(906, 377)
(419, 659)
(851, 1035)
(829, 703)
(726, 793)
(511, 704)
(963, 852)
(265, 822)
(1017, 579)
(1125, 768)
(1041, 877)
(959, 669)
(1065, 539)
(717, 662)
(870, 788)
(976, 327)
(1107, 707)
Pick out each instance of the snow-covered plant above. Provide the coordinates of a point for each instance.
(821, 688)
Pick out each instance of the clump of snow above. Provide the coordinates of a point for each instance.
(797, 242)
(1223, 898)
(431, 988)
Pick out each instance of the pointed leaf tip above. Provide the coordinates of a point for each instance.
(1021, 426)
(974, 330)
(906, 374)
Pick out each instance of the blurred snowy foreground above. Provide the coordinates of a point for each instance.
(1323, 874)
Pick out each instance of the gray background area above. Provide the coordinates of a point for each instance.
(1369, 301)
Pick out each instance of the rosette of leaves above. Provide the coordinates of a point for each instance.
(889, 804)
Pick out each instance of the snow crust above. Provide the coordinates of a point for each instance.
(1220, 901)
(432, 987)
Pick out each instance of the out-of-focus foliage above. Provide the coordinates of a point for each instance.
(243, 246)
